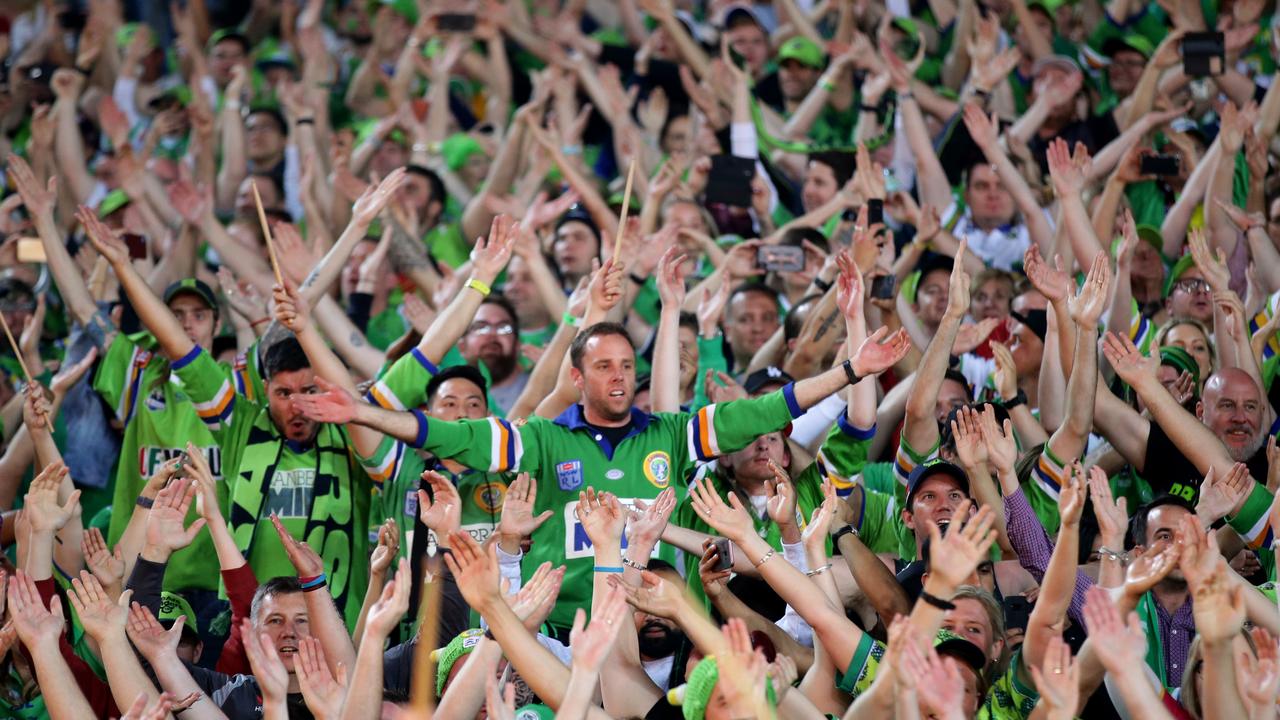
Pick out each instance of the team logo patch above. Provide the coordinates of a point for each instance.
(657, 468)
(569, 475)
(411, 503)
(614, 474)
(489, 497)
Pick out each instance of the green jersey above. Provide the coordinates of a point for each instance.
(840, 459)
(567, 454)
(320, 490)
(159, 420)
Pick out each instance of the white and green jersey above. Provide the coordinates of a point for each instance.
(566, 455)
(159, 419)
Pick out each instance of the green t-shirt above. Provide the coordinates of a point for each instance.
(447, 245)
(159, 420)
(324, 485)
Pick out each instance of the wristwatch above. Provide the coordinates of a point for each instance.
(1016, 400)
(846, 530)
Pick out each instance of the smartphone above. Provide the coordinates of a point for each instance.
(724, 554)
(1203, 54)
(137, 245)
(882, 287)
(729, 182)
(780, 258)
(1017, 611)
(30, 250)
(875, 211)
(1159, 165)
(456, 22)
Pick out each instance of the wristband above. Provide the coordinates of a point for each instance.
(571, 320)
(479, 286)
(767, 557)
(1016, 400)
(936, 601)
(420, 147)
(819, 571)
(310, 579)
(846, 530)
(309, 584)
(610, 568)
(636, 279)
(849, 373)
(633, 564)
(571, 149)
(821, 284)
(984, 94)
(305, 121)
(144, 502)
(1107, 553)
(905, 95)
(83, 71)
(869, 108)
(1219, 523)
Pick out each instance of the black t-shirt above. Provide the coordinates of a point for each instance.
(1168, 470)
(1095, 132)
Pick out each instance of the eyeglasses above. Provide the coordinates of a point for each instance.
(484, 328)
(1192, 285)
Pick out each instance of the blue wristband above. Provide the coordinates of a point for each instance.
(315, 582)
(609, 569)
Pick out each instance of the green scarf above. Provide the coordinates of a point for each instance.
(1150, 616)
(338, 519)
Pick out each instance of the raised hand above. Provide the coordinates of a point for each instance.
(648, 520)
(166, 531)
(971, 335)
(1199, 557)
(1225, 496)
(984, 130)
(391, 606)
(1052, 282)
(1131, 365)
(1072, 496)
(40, 506)
(372, 201)
(36, 626)
(291, 310)
(150, 638)
(971, 447)
(1094, 295)
(731, 520)
(303, 558)
(1002, 447)
(955, 556)
(713, 580)
(333, 405)
(1149, 568)
(1258, 677)
(388, 547)
(1058, 679)
(102, 238)
(878, 353)
(38, 201)
(197, 468)
(99, 615)
(1120, 647)
(322, 692)
(517, 521)
(671, 277)
(655, 596)
(105, 565)
(958, 287)
(443, 515)
(491, 255)
(1006, 374)
(591, 644)
(537, 597)
(36, 408)
(1212, 265)
(475, 568)
(1068, 170)
(1112, 515)
(606, 286)
(939, 684)
(603, 518)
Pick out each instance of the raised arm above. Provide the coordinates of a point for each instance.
(920, 429)
(326, 623)
(665, 395)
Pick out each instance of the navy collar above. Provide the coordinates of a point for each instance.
(574, 419)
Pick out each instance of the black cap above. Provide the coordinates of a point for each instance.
(194, 287)
(952, 645)
(924, 471)
(765, 377)
(578, 213)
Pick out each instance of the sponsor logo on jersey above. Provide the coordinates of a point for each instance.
(155, 401)
(479, 533)
(151, 458)
(489, 497)
(657, 469)
(614, 474)
(569, 474)
(410, 503)
(576, 542)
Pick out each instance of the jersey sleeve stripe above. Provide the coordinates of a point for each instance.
(384, 469)
(793, 405)
(702, 434)
(218, 410)
(129, 398)
(1048, 475)
(843, 485)
(424, 362)
(187, 359)
(503, 448)
(382, 396)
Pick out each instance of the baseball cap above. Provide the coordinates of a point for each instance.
(1129, 41)
(578, 213)
(952, 645)
(1058, 62)
(1180, 268)
(804, 51)
(113, 201)
(280, 57)
(408, 9)
(764, 377)
(174, 606)
(447, 656)
(924, 471)
(191, 286)
(229, 34)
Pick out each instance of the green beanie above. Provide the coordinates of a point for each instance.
(1180, 360)
(448, 655)
(695, 694)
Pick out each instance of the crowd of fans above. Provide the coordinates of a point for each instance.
(639, 359)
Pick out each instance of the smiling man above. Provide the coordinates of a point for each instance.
(603, 441)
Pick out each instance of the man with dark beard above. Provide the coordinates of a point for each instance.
(659, 638)
(494, 339)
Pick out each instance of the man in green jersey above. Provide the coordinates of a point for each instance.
(604, 441)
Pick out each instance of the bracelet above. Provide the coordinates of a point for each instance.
(819, 571)
(863, 107)
(305, 121)
(571, 320)
(906, 95)
(982, 93)
(312, 583)
(849, 373)
(936, 601)
(610, 568)
(82, 71)
(488, 632)
(259, 321)
(571, 149)
(821, 284)
(420, 147)
(633, 564)
(309, 579)
(479, 286)
(1109, 554)
(767, 557)
(312, 588)
(144, 502)
(636, 279)
(1016, 400)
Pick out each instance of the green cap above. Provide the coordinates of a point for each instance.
(535, 712)
(694, 695)
(1129, 41)
(230, 34)
(191, 286)
(174, 606)
(1180, 268)
(950, 644)
(124, 35)
(447, 656)
(1180, 360)
(113, 201)
(804, 51)
(408, 9)
(1152, 235)
(457, 148)
(908, 26)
